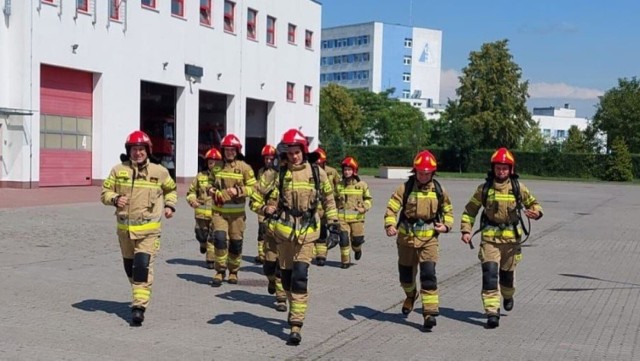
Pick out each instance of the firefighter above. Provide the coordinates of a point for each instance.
(292, 206)
(141, 192)
(321, 247)
(267, 246)
(353, 200)
(425, 212)
(268, 156)
(200, 200)
(503, 198)
(233, 182)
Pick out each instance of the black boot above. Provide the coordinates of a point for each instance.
(508, 304)
(203, 248)
(294, 337)
(429, 322)
(345, 265)
(493, 321)
(320, 261)
(137, 316)
(271, 287)
(211, 265)
(358, 255)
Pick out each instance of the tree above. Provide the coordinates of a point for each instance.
(575, 142)
(619, 163)
(533, 140)
(618, 114)
(339, 116)
(492, 99)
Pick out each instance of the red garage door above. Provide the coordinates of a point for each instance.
(66, 103)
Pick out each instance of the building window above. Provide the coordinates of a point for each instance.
(407, 60)
(114, 10)
(546, 132)
(408, 42)
(307, 94)
(291, 34)
(205, 12)
(177, 8)
(82, 5)
(406, 77)
(252, 19)
(149, 4)
(406, 93)
(290, 89)
(229, 16)
(271, 30)
(308, 39)
(561, 134)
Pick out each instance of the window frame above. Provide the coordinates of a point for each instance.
(229, 18)
(152, 6)
(117, 4)
(207, 9)
(406, 77)
(308, 39)
(180, 4)
(291, 33)
(85, 8)
(408, 43)
(253, 23)
(407, 60)
(307, 94)
(291, 87)
(271, 30)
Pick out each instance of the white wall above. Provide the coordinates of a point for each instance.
(122, 54)
(426, 63)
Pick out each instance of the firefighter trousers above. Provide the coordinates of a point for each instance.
(271, 267)
(294, 259)
(228, 233)
(321, 249)
(138, 257)
(351, 236)
(499, 261)
(423, 258)
(204, 235)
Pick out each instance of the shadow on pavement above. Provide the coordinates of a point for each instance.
(464, 316)
(598, 279)
(188, 262)
(272, 326)
(199, 279)
(120, 309)
(371, 314)
(247, 297)
(253, 269)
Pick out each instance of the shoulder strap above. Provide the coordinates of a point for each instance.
(485, 188)
(440, 196)
(316, 176)
(515, 187)
(408, 187)
(281, 200)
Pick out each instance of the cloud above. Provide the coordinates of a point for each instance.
(448, 84)
(562, 90)
(550, 28)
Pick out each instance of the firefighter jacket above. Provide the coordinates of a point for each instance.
(149, 188)
(296, 199)
(199, 191)
(416, 226)
(262, 189)
(236, 174)
(500, 222)
(334, 179)
(352, 196)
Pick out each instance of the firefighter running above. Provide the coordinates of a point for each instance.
(321, 246)
(200, 200)
(141, 192)
(503, 198)
(233, 182)
(425, 212)
(296, 225)
(267, 247)
(353, 200)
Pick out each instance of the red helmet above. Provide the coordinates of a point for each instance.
(350, 162)
(268, 150)
(504, 156)
(322, 156)
(230, 140)
(138, 137)
(214, 154)
(425, 162)
(295, 137)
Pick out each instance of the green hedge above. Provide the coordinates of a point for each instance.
(552, 163)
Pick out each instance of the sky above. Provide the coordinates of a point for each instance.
(570, 51)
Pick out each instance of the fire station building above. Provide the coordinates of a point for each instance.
(77, 76)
